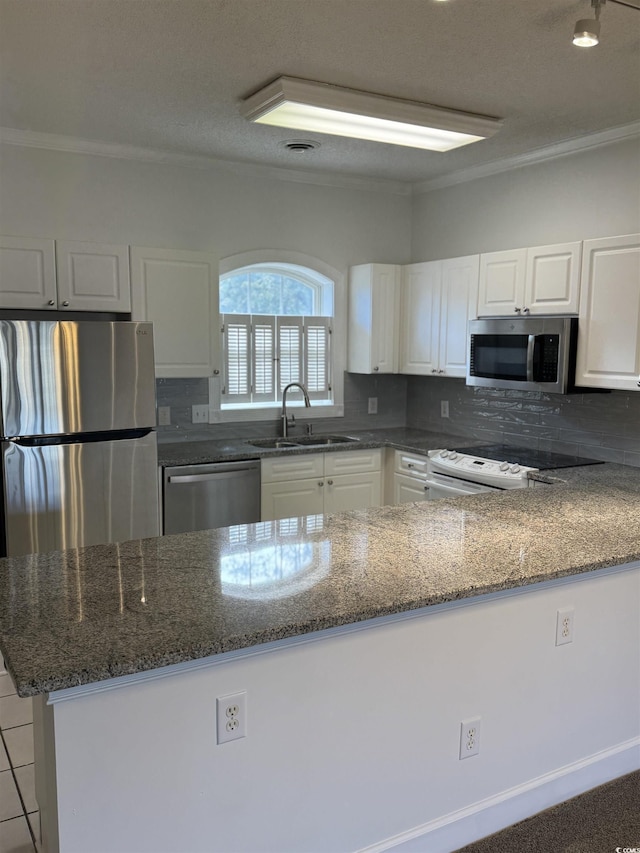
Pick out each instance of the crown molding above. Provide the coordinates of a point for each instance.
(74, 145)
(540, 155)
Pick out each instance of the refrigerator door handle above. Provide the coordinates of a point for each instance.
(78, 438)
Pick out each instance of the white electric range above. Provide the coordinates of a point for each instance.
(490, 468)
(451, 474)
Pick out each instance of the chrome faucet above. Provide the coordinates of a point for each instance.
(286, 421)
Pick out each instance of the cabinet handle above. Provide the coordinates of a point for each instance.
(441, 371)
(433, 370)
(525, 310)
(216, 372)
(376, 367)
(410, 465)
(321, 482)
(518, 310)
(66, 303)
(51, 302)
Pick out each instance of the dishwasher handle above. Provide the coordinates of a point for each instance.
(214, 472)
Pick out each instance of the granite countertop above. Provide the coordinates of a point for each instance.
(80, 616)
(227, 450)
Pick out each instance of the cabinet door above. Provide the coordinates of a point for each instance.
(291, 498)
(501, 286)
(27, 273)
(552, 282)
(303, 466)
(373, 318)
(352, 462)
(609, 325)
(352, 491)
(178, 292)
(420, 318)
(459, 297)
(93, 277)
(409, 489)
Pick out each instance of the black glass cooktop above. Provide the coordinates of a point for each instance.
(541, 459)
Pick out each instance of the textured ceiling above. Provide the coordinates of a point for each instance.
(170, 74)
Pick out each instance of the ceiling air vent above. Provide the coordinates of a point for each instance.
(299, 146)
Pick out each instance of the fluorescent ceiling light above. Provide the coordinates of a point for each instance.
(321, 108)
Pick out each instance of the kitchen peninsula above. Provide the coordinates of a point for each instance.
(361, 642)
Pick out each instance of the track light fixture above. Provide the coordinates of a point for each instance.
(587, 31)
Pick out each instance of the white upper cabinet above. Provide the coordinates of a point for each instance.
(53, 275)
(609, 324)
(178, 292)
(420, 317)
(438, 300)
(538, 280)
(374, 291)
(93, 277)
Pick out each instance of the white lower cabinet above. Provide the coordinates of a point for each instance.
(316, 483)
(409, 478)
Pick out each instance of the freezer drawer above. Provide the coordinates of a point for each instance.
(68, 495)
(201, 497)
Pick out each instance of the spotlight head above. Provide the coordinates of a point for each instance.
(586, 33)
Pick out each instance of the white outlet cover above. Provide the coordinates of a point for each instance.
(564, 626)
(470, 737)
(231, 717)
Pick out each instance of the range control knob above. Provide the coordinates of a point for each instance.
(504, 466)
(453, 455)
(515, 469)
(444, 454)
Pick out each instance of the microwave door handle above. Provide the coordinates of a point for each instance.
(531, 346)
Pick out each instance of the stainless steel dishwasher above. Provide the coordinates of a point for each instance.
(217, 494)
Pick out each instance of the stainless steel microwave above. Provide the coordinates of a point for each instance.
(528, 353)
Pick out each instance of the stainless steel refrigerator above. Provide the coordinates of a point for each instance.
(79, 447)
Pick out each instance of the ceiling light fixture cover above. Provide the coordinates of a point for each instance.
(322, 108)
(586, 33)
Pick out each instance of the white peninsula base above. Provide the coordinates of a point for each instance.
(353, 734)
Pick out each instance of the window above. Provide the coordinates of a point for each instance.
(277, 324)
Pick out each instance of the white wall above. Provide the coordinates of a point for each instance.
(576, 197)
(352, 741)
(85, 197)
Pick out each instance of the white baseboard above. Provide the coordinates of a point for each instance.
(485, 817)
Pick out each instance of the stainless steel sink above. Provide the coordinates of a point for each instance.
(319, 440)
(273, 443)
(302, 441)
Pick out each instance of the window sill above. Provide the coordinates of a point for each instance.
(267, 413)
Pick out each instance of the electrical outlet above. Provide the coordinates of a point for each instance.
(564, 626)
(373, 406)
(469, 737)
(199, 414)
(444, 408)
(231, 717)
(164, 415)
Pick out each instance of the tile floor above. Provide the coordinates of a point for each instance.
(18, 808)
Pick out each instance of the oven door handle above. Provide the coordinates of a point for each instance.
(531, 347)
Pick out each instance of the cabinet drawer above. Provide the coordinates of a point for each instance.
(279, 468)
(412, 465)
(352, 462)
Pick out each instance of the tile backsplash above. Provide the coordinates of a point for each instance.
(597, 425)
(602, 426)
(181, 394)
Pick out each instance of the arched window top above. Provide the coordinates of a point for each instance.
(281, 289)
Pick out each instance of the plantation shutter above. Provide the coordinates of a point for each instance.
(262, 354)
(317, 332)
(236, 338)
(264, 358)
(289, 351)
